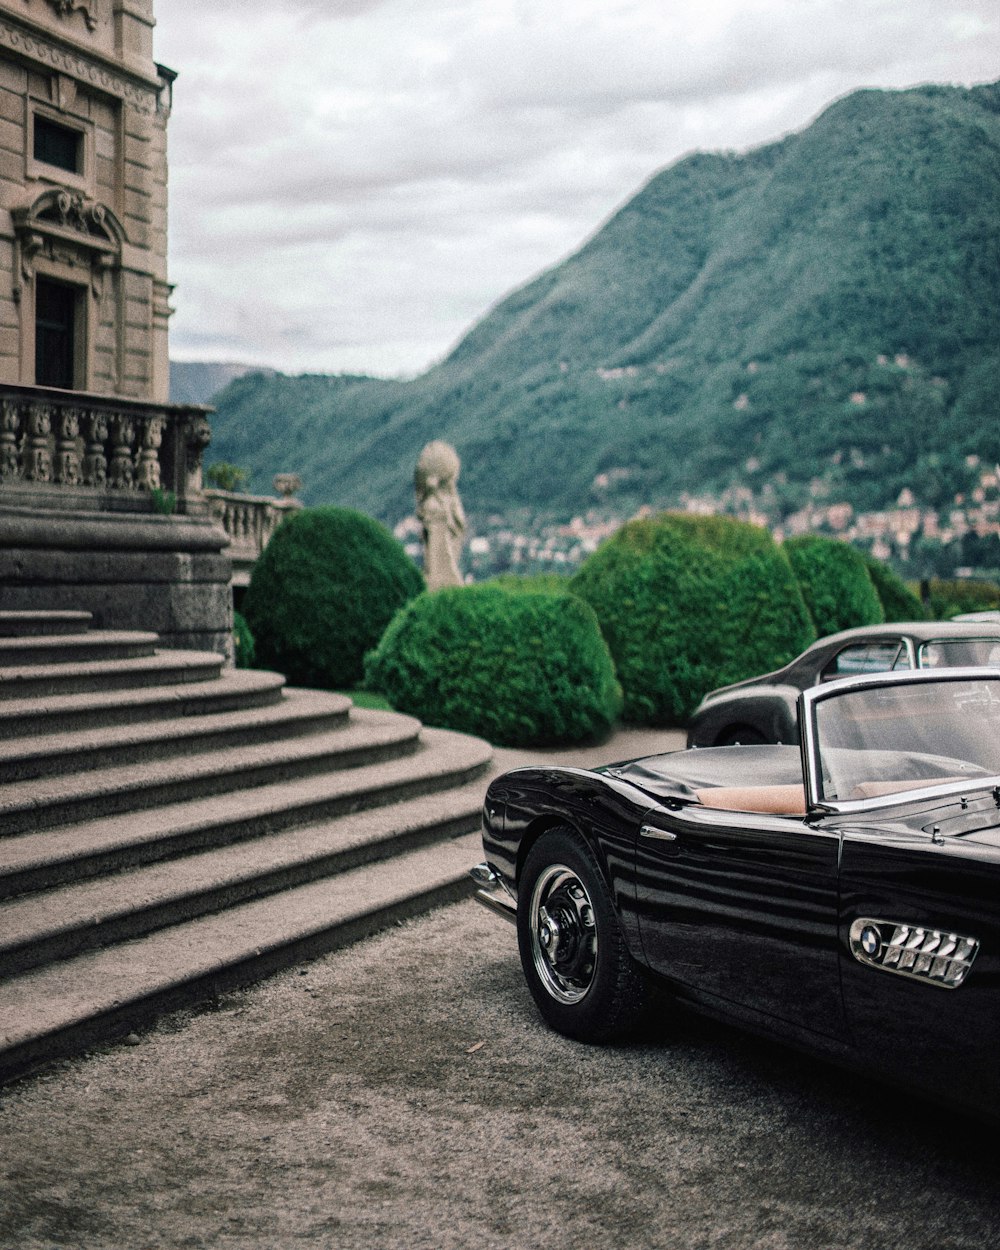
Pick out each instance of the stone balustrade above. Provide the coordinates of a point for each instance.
(250, 520)
(101, 452)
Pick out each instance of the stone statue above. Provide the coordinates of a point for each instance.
(439, 510)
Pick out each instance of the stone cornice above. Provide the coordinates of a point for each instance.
(91, 68)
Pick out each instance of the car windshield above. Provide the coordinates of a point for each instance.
(888, 738)
(959, 652)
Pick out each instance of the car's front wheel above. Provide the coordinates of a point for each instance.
(573, 953)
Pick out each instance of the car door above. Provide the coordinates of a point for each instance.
(744, 907)
(936, 1025)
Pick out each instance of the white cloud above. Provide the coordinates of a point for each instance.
(354, 181)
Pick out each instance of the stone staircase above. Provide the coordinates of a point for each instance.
(170, 828)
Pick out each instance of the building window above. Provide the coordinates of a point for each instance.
(56, 316)
(57, 145)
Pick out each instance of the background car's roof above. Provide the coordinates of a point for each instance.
(921, 631)
(795, 671)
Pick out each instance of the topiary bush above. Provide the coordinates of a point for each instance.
(690, 603)
(949, 597)
(898, 601)
(243, 644)
(517, 669)
(835, 583)
(322, 593)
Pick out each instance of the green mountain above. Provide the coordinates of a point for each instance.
(818, 316)
(197, 381)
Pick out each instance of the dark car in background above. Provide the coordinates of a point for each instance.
(843, 896)
(763, 709)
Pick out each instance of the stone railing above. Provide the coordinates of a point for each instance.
(100, 452)
(250, 520)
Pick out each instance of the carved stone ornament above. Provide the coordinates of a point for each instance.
(199, 436)
(66, 7)
(65, 226)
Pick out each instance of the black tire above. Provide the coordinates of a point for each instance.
(575, 960)
(740, 735)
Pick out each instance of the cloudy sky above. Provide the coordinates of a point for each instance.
(355, 182)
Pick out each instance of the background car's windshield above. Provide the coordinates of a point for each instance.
(959, 652)
(887, 739)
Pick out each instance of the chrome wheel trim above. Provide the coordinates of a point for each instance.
(563, 934)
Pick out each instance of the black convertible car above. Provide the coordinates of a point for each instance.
(842, 895)
(764, 709)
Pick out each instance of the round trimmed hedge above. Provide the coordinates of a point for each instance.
(898, 601)
(517, 669)
(323, 591)
(835, 583)
(688, 603)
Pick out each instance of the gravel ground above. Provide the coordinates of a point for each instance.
(404, 1093)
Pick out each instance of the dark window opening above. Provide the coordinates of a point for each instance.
(57, 145)
(55, 333)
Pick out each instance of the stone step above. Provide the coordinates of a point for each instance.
(63, 922)
(76, 648)
(64, 1007)
(85, 849)
(35, 681)
(102, 792)
(32, 624)
(300, 712)
(231, 690)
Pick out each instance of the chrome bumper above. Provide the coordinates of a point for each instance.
(493, 892)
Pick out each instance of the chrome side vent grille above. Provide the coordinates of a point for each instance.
(933, 956)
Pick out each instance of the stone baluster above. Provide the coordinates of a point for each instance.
(66, 464)
(121, 473)
(147, 475)
(95, 462)
(10, 429)
(37, 453)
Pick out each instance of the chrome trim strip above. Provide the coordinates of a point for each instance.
(657, 835)
(916, 795)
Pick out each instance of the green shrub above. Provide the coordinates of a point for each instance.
(835, 583)
(517, 669)
(950, 597)
(322, 593)
(225, 476)
(531, 583)
(690, 603)
(898, 601)
(243, 643)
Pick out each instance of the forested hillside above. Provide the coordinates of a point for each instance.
(818, 315)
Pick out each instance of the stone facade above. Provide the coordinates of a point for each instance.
(101, 504)
(83, 191)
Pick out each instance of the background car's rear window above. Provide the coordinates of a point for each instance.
(959, 652)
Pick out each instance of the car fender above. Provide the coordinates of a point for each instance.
(770, 712)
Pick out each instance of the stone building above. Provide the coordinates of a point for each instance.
(101, 505)
(83, 197)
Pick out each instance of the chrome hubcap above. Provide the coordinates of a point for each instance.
(563, 934)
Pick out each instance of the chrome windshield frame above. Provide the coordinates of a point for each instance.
(812, 764)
